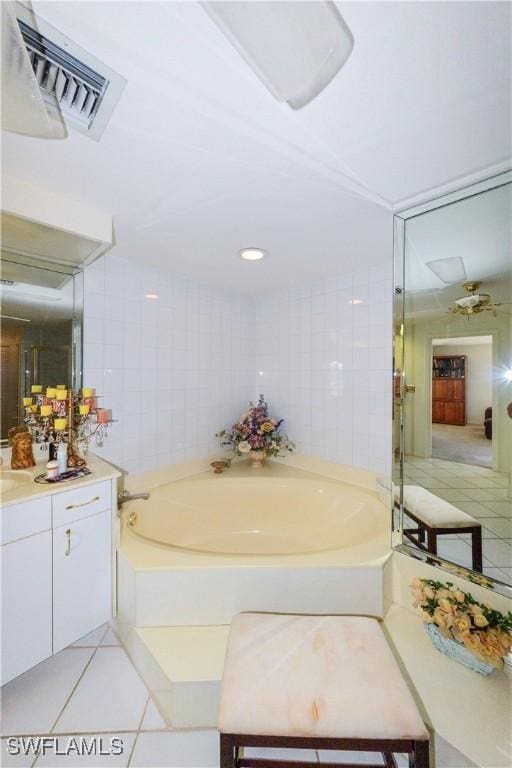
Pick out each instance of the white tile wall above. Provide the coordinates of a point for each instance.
(324, 362)
(171, 369)
(177, 369)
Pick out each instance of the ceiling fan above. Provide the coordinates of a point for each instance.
(474, 302)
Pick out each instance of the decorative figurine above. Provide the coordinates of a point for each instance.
(21, 441)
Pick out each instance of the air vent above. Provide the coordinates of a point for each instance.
(71, 80)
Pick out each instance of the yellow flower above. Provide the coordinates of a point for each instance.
(475, 609)
(463, 623)
(427, 618)
(480, 620)
(445, 605)
(459, 596)
(416, 583)
(429, 592)
(267, 426)
(472, 642)
(439, 618)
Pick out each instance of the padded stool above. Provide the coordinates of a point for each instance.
(315, 682)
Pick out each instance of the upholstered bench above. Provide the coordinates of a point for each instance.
(315, 682)
(437, 517)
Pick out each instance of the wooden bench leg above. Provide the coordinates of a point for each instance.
(432, 541)
(476, 548)
(227, 751)
(420, 758)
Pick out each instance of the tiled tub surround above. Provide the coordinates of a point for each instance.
(178, 368)
(174, 369)
(324, 363)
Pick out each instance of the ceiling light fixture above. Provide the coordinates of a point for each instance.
(21, 319)
(294, 48)
(252, 254)
(449, 270)
(356, 301)
(151, 295)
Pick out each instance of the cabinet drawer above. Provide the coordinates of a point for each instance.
(25, 519)
(81, 502)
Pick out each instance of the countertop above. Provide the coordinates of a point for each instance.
(468, 710)
(26, 491)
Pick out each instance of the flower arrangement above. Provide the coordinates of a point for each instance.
(457, 616)
(256, 431)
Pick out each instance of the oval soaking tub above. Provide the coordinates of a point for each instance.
(256, 515)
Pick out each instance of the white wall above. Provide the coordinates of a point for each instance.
(173, 370)
(324, 364)
(177, 369)
(478, 376)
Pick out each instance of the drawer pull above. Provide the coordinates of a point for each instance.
(68, 548)
(83, 504)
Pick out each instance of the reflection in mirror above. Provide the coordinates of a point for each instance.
(453, 381)
(41, 331)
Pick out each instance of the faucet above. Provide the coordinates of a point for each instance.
(125, 496)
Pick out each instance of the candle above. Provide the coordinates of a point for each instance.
(62, 394)
(84, 409)
(60, 424)
(87, 392)
(27, 401)
(61, 386)
(46, 410)
(101, 415)
(36, 388)
(51, 393)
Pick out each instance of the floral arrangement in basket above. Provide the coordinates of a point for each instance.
(455, 616)
(256, 431)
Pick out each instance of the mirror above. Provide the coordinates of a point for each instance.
(41, 330)
(452, 415)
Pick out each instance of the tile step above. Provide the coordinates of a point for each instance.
(182, 666)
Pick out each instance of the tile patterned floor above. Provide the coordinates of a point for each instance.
(480, 492)
(91, 689)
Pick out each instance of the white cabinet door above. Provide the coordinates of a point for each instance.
(26, 603)
(81, 578)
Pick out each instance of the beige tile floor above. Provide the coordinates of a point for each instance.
(483, 494)
(91, 689)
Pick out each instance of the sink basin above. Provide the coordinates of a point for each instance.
(11, 479)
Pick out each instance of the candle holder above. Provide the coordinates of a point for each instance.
(75, 419)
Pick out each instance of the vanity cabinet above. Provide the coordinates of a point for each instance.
(57, 563)
(26, 603)
(81, 578)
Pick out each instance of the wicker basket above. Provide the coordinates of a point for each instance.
(457, 652)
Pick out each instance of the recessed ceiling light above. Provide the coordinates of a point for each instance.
(356, 301)
(151, 295)
(252, 254)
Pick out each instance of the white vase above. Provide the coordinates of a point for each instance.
(257, 459)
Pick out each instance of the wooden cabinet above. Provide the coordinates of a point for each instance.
(449, 390)
(57, 557)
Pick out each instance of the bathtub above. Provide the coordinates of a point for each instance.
(206, 547)
(232, 514)
(284, 539)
